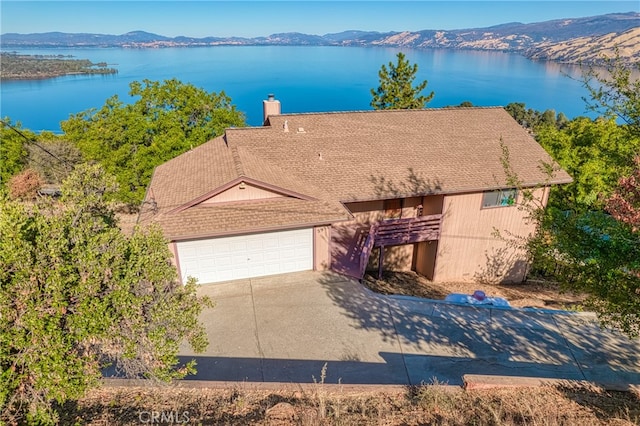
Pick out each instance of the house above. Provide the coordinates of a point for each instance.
(419, 190)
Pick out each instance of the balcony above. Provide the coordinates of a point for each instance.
(394, 232)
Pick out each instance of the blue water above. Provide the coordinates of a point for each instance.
(304, 79)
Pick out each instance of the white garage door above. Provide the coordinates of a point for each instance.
(246, 256)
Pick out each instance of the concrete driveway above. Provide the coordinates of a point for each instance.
(286, 328)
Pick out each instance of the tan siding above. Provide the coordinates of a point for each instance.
(425, 258)
(373, 211)
(393, 208)
(321, 254)
(174, 253)
(173, 248)
(396, 258)
(410, 206)
(366, 212)
(235, 193)
(432, 204)
(468, 250)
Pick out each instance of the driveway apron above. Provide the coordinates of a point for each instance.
(312, 326)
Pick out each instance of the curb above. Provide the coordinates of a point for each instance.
(470, 382)
(479, 382)
(328, 388)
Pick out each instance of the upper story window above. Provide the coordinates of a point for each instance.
(499, 198)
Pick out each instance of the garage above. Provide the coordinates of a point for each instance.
(246, 256)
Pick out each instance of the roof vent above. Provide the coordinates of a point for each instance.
(301, 130)
(285, 126)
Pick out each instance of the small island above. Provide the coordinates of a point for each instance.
(34, 67)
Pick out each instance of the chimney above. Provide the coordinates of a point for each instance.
(270, 107)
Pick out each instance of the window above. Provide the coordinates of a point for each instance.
(499, 198)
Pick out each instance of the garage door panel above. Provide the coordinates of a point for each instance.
(189, 252)
(222, 248)
(219, 261)
(238, 257)
(270, 244)
(237, 246)
(271, 256)
(258, 271)
(223, 276)
(239, 260)
(189, 267)
(255, 258)
(256, 244)
(293, 241)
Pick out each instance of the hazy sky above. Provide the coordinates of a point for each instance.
(262, 18)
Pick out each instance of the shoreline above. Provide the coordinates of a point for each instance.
(25, 67)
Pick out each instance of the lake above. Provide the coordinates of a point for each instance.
(304, 79)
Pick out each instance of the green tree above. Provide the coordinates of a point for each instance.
(593, 253)
(588, 251)
(46, 153)
(562, 120)
(53, 157)
(596, 153)
(588, 237)
(76, 295)
(396, 90)
(13, 149)
(615, 91)
(166, 120)
(531, 119)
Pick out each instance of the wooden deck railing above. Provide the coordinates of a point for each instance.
(394, 232)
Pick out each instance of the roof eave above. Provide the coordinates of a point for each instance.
(459, 191)
(256, 230)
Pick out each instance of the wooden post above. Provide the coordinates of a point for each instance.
(380, 260)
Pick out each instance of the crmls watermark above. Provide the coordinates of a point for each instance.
(160, 417)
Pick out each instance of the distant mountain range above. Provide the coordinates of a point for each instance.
(563, 40)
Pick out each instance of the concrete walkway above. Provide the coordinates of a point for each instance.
(287, 328)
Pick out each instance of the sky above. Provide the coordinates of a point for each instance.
(262, 18)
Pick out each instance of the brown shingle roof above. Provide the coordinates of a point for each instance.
(177, 186)
(236, 218)
(410, 151)
(341, 157)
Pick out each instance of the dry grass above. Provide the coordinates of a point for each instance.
(420, 405)
(528, 294)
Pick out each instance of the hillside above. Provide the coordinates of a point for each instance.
(589, 49)
(565, 40)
